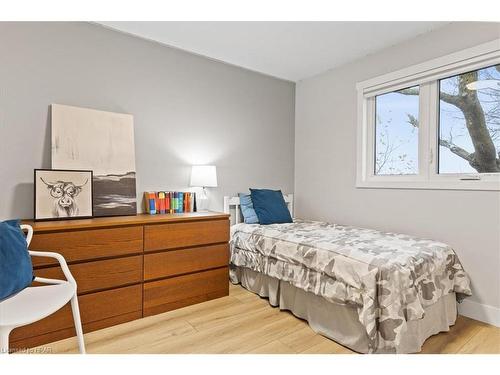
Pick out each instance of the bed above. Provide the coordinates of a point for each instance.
(371, 291)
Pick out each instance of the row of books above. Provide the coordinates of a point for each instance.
(169, 202)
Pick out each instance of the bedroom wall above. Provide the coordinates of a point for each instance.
(325, 168)
(187, 110)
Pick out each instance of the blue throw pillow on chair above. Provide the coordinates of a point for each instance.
(270, 206)
(16, 270)
(247, 210)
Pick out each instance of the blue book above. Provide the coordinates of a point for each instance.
(152, 204)
(180, 204)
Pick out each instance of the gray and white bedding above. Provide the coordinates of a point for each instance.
(390, 278)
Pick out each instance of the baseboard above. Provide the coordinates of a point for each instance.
(475, 310)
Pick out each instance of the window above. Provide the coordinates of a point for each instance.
(396, 135)
(469, 122)
(435, 125)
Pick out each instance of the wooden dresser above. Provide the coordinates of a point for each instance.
(130, 267)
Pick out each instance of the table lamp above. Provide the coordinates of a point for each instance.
(203, 176)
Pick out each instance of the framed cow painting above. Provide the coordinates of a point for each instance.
(62, 194)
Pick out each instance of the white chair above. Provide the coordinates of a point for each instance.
(35, 303)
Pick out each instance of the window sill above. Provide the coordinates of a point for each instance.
(447, 184)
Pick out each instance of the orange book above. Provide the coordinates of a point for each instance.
(161, 202)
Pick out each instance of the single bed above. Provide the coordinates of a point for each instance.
(371, 291)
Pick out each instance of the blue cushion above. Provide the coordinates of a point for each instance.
(270, 206)
(16, 270)
(246, 205)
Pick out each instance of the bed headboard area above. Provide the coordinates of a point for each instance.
(232, 207)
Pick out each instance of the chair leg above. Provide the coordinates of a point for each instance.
(78, 323)
(4, 340)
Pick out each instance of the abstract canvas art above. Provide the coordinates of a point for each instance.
(61, 194)
(104, 143)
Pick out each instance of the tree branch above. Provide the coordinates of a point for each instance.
(459, 151)
(409, 91)
(455, 100)
(412, 120)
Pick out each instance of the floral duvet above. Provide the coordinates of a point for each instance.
(390, 278)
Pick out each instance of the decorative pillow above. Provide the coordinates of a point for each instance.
(16, 270)
(246, 205)
(270, 206)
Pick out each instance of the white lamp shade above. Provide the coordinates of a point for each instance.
(203, 176)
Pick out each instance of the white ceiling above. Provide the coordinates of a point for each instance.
(287, 50)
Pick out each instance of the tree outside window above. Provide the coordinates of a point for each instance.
(469, 126)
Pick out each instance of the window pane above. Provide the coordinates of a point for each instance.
(396, 132)
(469, 122)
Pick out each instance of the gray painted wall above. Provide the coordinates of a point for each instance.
(187, 110)
(325, 165)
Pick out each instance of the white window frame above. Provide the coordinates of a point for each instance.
(427, 76)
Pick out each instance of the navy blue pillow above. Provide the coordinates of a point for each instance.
(16, 270)
(270, 206)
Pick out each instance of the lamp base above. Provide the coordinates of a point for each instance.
(202, 201)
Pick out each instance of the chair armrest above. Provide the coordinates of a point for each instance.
(60, 259)
(29, 234)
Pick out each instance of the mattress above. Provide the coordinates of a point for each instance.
(389, 279)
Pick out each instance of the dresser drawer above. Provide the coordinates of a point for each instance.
(177, 262)
(87, 244)
(93, 308)
(180, 291)
(170, 236)
(101, 274)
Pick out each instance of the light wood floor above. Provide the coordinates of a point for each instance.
(246, 323)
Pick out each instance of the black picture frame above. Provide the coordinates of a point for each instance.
(89, 175)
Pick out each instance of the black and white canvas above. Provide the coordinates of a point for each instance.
(104, 143)
(62, 194)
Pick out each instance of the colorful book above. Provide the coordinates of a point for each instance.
(146, 202)
(167, 202)
(186, 201)
(181, 202)
(161, 200)
(152, 203)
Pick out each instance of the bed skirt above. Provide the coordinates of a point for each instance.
(339, 322)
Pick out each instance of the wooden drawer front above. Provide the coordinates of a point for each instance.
(177, 262)
(176, 292)
(93, 307)
(102, 274)
(88, 244)
(170, 236)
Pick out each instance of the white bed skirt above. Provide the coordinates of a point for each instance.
(339, 322)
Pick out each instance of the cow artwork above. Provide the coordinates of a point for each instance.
(62, 194)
